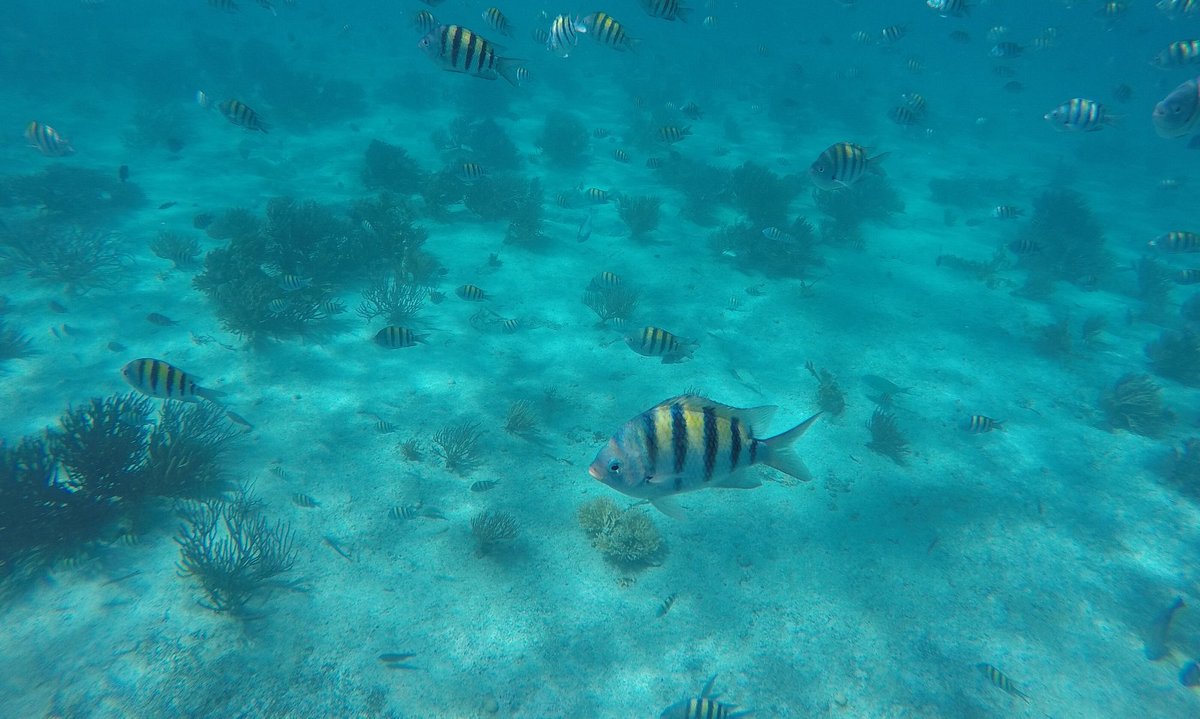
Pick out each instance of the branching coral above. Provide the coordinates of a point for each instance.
(493, 529)
(612, 302)
(704, 187)
(1135, 403)
(886, 437)
(762, 195)
(76, 194)
(186, 449)
(13, 343)
(489, 145)
(830, 397)
(563, 140)
(1176, 355)
(458, 446)
(101, 447)
(869, 198)
(625, 537)
(308, 239)
(232, 552)
(521, 419)
(525, 225)
(393, 300)
(390, 168)
(237, 223)
(179, 249)
(80, 260)
(788, 252)
(640, 214)
(1069, 239)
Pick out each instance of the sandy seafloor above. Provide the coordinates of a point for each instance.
(872, 591)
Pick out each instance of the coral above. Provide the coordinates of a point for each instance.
(308, 239)
(71, 193)
(1185, 467)
(390, 168)
(14, 344)
(640, 214)
(458, 446)
(440, 191)
(1070, 241)
(101, 446)
(489, 145)
(394, 300)
(869, 198)
(525, 227)
(492, 530)
(500, 197)
(886, 438)
(158, 124)
(1153, 288)
(521, 419)
(985, 272)
(762, 195)
(390, 241)
(1093, 327)
(563, 140)
(625, 537)
(1054, 340)
(250, 304)
(236, 223)
(789, 254)
(80, 260)
(186, 449)
(612, 302)
(179, 249)
(1135, 403)
(233, 553)
(830, 397)
(704, 187)
(1176, 355)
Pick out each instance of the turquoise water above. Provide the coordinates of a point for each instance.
(265, 265)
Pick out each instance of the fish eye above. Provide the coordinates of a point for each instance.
(614, 467)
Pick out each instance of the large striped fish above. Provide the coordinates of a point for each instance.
(163, 380)
(458, 49)
(689, 443)
(842, 164)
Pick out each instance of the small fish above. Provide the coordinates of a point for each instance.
(1079, 114)
(242, 115)
(331, 306)
(1024, 246)
(600, 133)
(604, 280)
(709, 21)
(471, 293)
(842, 164)
(167, 205)
(657, 342)
(115, 346)
(1176, 241)
(892, 33)
(1006, 50)
(393, 337)
(484, 485)
(155, 318)
(1000, 680)
(597, 196)
(47, 140)
(510, 325)
(915, 102)
(620, 155)
(666, 605)
(1186, 277)
(704, 706)
(883, 385)
(1007, 212)
(156, 378)
(978, 424)
(949, 8)
(654, 163)
(585, 229)
(904, 116)
(671, 134)
(688, 443)
(691, 111)
(775, 234)
(278, 306)
(496, 19)
(294, 283)
(471, 172)
(458, 49)
(405, 511)
(305, 501)
(337, 547)
(395, 658)
(424, 22)
(563, 35)
(1178, 113)
(607, 31)
(1178, 54)
(383, 426)
(123, 173)
(1158, 634)
(666, 9)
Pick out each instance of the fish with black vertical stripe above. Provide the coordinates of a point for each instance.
(688, 443)
(163, 380)
(458, 49)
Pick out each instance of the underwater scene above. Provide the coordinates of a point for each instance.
(690, 359)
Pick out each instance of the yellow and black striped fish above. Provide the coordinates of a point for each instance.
(47, 140)
(597, 196)
(607, 31)
(471, 293)
(496, 19)
(671, 134)
(1177, 241)
(666, 9)
(892, 33)
(657, 342)
(1178, 54)
(242, 115)
(841, 165)
(469, 172)
(1007, 212)
(690, 442)
(458, 49)
(1187, 277)
(1000, 680)
(424, 22)
(160, 379)
(978, 424)
(604, 280)
(620, 155)
(393, 337)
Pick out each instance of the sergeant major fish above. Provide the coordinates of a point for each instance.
(688, 443)
(842, 164)
(564, 35)
(156, 378)
(704, 706)
(458, 49)
(47, 140)
(1079, 114)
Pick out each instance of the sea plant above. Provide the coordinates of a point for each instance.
(1069, 239)
(79, 259)
(101, 447)
(886, 437)
(705, 188)
(788, 252)
(1176, 355)
(186, 449)
(521, 419)
(627, 537)
(639, 213)
(181, 250)
(563, 140)
(761, 195)
(1134, 403)
(236, 223)
(612, 302)
(492, 530)
(985, 272)
(73, 194)
(870, 198)
(830, 397)
(458, 446)
(392, 299)
(14, 344)
(389, 167)
(234, 553)
(525, 226)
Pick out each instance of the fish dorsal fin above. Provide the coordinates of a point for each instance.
(757, 418)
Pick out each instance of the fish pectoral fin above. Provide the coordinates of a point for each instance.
(669, 507)
(740, 481)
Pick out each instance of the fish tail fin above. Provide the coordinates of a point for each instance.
(682, 12)
(782, 456)
(507, 67)
(874, 166)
